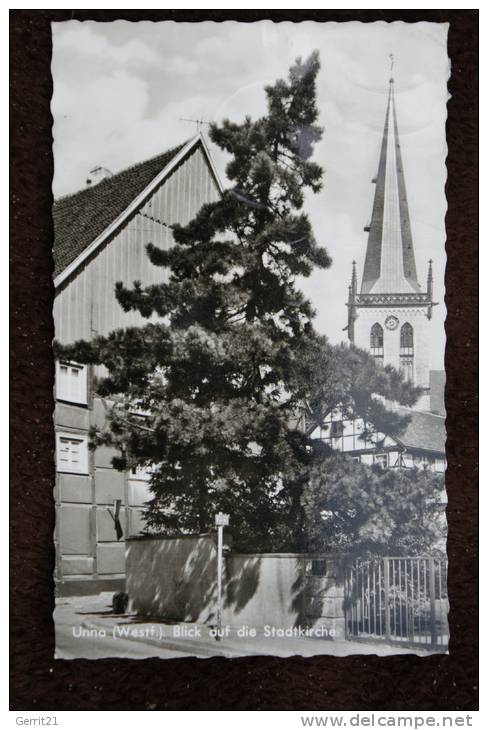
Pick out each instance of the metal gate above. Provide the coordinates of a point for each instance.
(398, 600)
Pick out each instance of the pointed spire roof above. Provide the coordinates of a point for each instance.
(390, 261)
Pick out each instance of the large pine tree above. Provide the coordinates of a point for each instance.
(220, 379)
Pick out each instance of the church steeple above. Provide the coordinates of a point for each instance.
(389, 316)
(390, 260)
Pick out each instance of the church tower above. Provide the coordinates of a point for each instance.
(390, 314)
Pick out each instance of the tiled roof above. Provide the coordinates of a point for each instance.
(425, 431)
(81, 217)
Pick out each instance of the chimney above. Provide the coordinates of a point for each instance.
(96, 175)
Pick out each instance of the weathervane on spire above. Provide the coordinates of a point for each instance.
(392, 60)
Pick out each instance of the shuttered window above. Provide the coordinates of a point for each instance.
(72, 453)
(71, 382)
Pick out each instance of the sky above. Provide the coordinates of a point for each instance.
(121, 90)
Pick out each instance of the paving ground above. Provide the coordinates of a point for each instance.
(87, 628)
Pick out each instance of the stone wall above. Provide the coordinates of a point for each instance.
(175, 579)
(172, 578)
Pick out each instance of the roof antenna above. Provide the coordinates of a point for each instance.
(198, 122)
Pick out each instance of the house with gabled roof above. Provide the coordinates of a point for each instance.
(100, 238)
(421, 443)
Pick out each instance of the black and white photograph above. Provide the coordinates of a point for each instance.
(249, 342)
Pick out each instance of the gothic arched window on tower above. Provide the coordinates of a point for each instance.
(376, 342)
(406, 351)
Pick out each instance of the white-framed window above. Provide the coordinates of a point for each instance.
(140, 473)
(382, 460)
(71, 452)
(71, 382)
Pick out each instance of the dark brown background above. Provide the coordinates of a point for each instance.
(265, 683)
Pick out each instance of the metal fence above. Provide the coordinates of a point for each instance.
(398, 600)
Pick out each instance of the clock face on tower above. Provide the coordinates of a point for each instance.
(391, 322)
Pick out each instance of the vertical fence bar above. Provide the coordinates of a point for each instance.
(358, 599)
(412, 604)
(351, 599)
(433, 625)
(362, 598)
(393, 596)
(369, 597)
(351, 604)
(386, 570)
(356, 587)
(441, 601)
(446, 597)
(374, 597)
(400, 610)
(407, 602)
(419, 619)
(424, 612)
(380, 588)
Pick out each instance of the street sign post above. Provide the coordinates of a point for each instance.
(221, 521)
